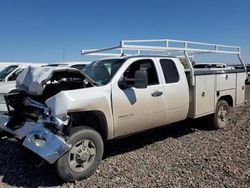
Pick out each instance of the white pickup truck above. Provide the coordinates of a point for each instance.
(65, 115)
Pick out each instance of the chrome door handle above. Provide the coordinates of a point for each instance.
(156, 93)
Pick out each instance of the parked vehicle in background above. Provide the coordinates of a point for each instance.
(210, 65)
(74, 64)
(10, 72)
(65, 115)
(5, 87)
(8, 81)
(5, 64)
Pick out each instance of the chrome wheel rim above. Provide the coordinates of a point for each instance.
(222, 115)
(82, 155)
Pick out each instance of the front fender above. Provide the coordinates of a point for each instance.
(81, 100)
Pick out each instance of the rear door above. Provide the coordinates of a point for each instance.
(176, 91)
(138, 109)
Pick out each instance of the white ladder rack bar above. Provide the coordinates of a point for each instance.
(138, 52)
(185, 46)
(97, 51)
(207, 47)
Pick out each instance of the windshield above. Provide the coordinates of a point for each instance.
(79, 66)
(103, 71)
(5, 72)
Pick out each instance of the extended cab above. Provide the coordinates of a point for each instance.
(64, 115)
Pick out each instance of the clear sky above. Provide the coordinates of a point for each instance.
(39, 30)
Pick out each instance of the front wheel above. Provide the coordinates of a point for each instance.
(220, 117)
(84, 156)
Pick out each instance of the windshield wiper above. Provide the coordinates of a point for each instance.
(96, 83)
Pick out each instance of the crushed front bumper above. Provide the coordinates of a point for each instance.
(38, 139)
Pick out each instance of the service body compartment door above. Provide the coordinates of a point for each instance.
(240, 91)
(176, 90)
(204, 94)
(226, 81)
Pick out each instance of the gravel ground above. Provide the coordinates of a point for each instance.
(185, 154)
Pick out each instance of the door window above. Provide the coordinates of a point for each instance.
(145, 64)
(169, 70)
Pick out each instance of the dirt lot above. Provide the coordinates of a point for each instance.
(185, 154)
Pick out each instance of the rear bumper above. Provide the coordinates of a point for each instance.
(38, 139)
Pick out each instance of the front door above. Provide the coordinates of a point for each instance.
(138, 109)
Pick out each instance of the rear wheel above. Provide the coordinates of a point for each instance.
(84, 156)
(220, 117)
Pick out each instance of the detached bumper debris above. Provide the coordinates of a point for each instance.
(38, 139)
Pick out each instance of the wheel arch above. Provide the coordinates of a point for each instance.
(94, 119)
(228, 99)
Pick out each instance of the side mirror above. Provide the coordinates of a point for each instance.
(123, 84)
(141, 79)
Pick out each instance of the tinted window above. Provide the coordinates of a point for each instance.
(145, 64)
(169, 70)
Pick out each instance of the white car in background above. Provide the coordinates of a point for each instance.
(8, 80)
(10, 72)
(5, 87)
(5, 64)
(74, 64)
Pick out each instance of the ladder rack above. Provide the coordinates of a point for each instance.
(166, 47)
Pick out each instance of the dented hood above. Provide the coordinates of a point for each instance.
(32, 79)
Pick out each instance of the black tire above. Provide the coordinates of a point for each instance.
(77, 135)
(220, 117)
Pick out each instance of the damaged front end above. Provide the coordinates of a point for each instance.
(32, 121)
(34, 115)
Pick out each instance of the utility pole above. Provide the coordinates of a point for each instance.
(63, 54)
